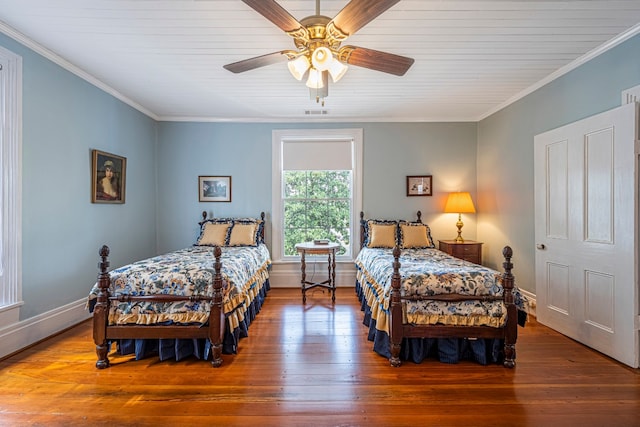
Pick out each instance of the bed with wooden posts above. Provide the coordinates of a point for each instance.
(420, 302)
(197, 301)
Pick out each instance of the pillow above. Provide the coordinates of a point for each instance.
(214, 233)
(244, 234)
(366, 228)
(259, 233)
(415, 235)
(382, 235)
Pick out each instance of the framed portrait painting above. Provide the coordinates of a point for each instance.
(108, 177)
(419, 185)
(214, 188)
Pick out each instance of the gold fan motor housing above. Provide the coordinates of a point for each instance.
(316, 31)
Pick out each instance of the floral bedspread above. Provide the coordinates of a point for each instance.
(432, 272)
(188, 272)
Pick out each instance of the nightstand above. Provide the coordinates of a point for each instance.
(468, 250)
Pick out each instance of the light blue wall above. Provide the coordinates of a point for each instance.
(243, 150)
(64, 117)
(505, 149)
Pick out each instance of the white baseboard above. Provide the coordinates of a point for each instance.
(532, 301)
(27, 332)
(289, 275)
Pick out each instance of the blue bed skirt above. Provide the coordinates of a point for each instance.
(446, 350)
(179, 349)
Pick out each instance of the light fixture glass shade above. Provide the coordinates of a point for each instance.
(322, 58)
(320, 92)
(459, 202)
(337, 70)
(315, 79)
(299, 66)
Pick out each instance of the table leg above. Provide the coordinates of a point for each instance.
(304, 277)
(332, 258)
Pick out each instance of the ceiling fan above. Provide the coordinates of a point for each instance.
(318, 39)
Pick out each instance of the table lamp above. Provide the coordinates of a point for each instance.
(459, 202)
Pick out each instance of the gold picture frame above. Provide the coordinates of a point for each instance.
(108, 177)
(214, 188)
(419, 185)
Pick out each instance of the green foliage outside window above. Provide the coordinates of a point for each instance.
(317, 205)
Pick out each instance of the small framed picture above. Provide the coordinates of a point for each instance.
(108, 174)
(419, 185)
(214, 188)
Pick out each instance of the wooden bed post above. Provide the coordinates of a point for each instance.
(395, 312)
(511, 332)
(101, 310)
(216, 316)
(361, 229)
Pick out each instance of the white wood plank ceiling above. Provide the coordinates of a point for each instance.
(165, 57)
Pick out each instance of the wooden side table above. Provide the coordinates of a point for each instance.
(468, 250)
(311, 248)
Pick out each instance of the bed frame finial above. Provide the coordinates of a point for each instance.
(419, 215)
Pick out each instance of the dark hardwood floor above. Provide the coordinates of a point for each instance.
(311, 366)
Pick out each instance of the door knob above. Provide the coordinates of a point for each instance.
(541, 246)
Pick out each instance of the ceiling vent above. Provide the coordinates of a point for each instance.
(316, 112)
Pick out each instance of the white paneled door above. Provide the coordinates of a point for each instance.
(586, 230)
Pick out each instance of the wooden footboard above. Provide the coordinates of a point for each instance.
(103, 332)
(399, 330)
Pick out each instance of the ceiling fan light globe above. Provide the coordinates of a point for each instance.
(298, 67)
(337, 70)
(322, 58)
(315, 79)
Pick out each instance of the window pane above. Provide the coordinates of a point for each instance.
(339, 184)
(295, 184)
(294, 214)
(317, 213)
(317, 185)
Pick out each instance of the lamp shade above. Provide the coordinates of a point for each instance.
(315, 80)
(321, 58)
(298, 67)
(337, 70)
(459, 202)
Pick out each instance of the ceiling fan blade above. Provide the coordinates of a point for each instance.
(358, 13)
(275, 13)
(376, 60)
(257, 62)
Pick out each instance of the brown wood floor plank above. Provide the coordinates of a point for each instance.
(313, 365)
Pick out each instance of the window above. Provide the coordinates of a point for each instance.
(317, 189)
(10, 187)
(317, 205)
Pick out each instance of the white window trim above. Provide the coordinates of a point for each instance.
(11, 190)
(279, 137)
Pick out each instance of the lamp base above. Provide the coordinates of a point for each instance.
(459, 224)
